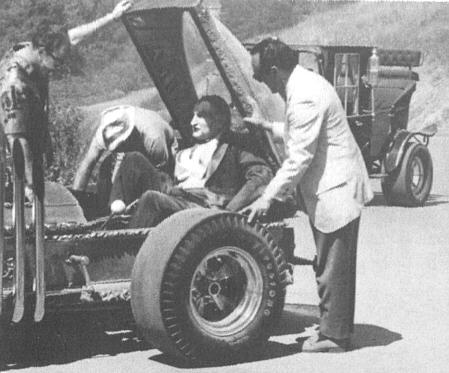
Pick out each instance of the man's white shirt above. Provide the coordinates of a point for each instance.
(192, 163)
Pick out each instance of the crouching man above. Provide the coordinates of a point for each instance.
(122, 129)
(215, 173)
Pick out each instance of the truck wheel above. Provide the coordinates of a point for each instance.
(207, 285)
(410, 185)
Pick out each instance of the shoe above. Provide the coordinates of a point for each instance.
(321, 343)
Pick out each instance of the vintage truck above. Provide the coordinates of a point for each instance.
(204, 284)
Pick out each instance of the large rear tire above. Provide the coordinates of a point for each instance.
(410, 185)
(207, 285)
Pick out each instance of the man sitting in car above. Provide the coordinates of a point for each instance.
(215, 173)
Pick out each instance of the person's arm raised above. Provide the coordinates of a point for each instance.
(79, 33)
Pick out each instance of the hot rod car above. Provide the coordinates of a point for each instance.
(203, 284)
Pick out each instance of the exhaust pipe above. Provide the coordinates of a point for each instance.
(22, 165)
(18, 111)
(2, 216)
(39, 216)
(19, 227)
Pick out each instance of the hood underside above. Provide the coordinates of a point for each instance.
(189, 53)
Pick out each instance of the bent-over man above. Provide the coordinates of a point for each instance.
(325, 163)
(124, 129)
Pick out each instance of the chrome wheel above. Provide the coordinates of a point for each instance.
(417, 175)
(226, 291)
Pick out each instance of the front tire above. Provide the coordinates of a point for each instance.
(220, 288)
(410, 185)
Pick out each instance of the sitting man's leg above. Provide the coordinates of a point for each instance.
(135, 176)
(104, 185)
(154, 206)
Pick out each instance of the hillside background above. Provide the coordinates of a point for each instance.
(106, 67)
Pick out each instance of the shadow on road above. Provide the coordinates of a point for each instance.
(270, 350)
(433, 200)
(55, 346)
(296, 319)
(366, 335)
(437, 199)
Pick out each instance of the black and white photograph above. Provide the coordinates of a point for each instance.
(224, 186)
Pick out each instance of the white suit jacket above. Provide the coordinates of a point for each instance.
(323, 158)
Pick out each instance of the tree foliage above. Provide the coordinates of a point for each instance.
(253, 17)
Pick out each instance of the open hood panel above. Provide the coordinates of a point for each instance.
(157, 34)
(189, 53)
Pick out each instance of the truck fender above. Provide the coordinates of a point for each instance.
(396, 150)
(399, 144)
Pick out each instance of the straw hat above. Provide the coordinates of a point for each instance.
(116, 125)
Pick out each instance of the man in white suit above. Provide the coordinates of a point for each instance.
(325, 164)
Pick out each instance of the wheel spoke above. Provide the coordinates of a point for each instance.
(219, 301)
(223, 303)
(200, 305)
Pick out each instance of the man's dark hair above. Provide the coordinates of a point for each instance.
(219, 106)
(274, 52)
(51, 37)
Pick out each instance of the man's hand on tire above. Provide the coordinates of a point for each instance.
(258, 209)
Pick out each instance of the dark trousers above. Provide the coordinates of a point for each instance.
(154, 206)
(336, 276)
(104, 184)
(138, 178)
(135, 176)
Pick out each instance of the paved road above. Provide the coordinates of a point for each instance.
(402, 321)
